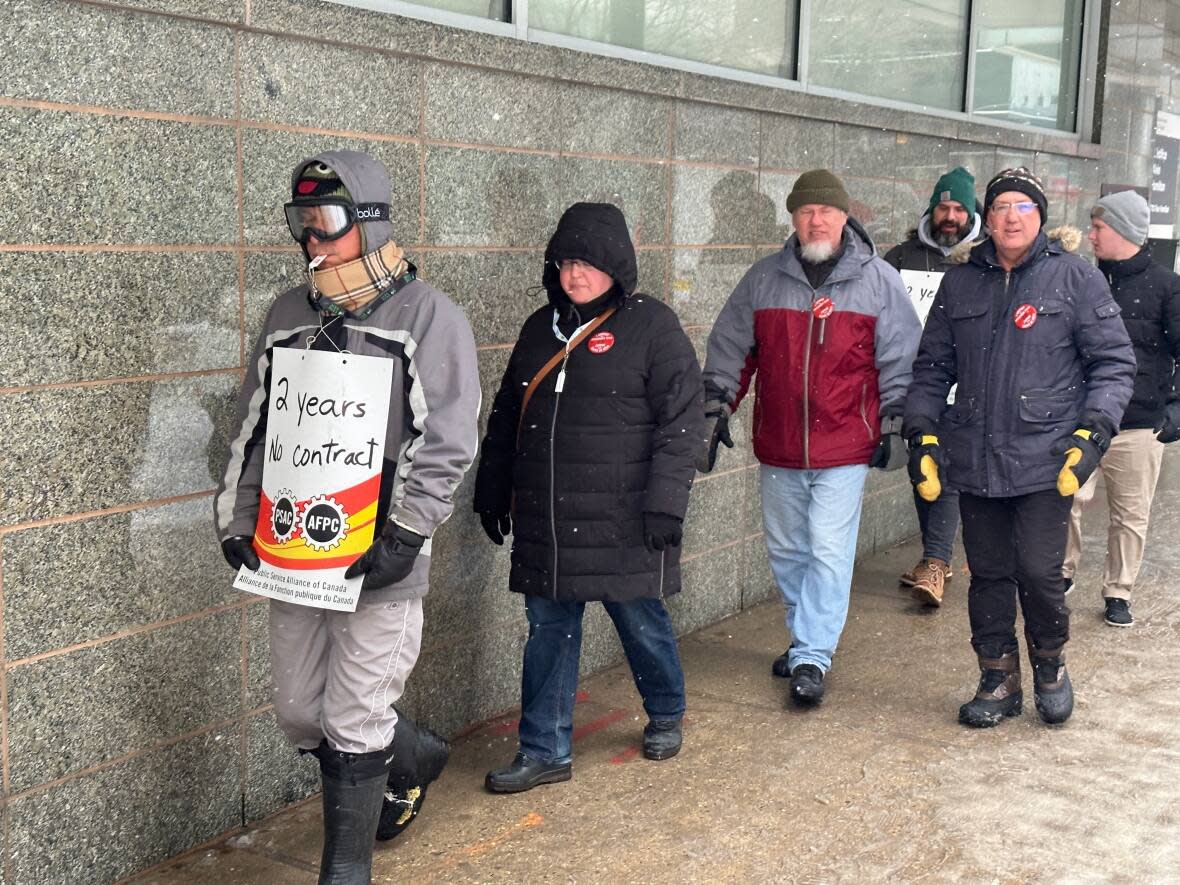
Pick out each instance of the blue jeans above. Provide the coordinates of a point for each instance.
(811, 518)
(939, 520)
(549, 681)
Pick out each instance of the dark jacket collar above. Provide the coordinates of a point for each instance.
(1137, 263)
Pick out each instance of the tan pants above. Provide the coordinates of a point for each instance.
(336, 674)
(1131, 468)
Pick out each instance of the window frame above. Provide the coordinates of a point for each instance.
(519, 29)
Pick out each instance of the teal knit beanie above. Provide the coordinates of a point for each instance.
(957, 185)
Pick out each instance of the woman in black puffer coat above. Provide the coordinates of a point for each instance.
(592, 475)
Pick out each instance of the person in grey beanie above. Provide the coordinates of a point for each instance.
(1149, 296)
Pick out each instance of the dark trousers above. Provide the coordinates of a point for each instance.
(938, 520)
(1016, 546)
(549, 680)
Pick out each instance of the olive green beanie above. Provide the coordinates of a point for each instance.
(818, 186)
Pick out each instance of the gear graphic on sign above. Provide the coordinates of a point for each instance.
(284, 518)
(324, 523)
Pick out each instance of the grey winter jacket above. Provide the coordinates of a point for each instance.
(432, 430)
(1020, 389)
(919, 251)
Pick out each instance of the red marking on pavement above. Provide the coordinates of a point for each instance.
(503, 727)
(582, 696)
(600, 723)
(626, 756)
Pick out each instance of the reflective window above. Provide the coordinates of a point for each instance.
(1027, 59)
(906, 50)
(496, 10)
(751, 35)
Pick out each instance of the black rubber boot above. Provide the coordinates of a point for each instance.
(354, 784)
(998, 694)
(1051, 686)
(419, 756)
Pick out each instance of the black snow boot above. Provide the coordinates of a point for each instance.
(998, 694)
(419, 756)
(354, 784)
(1051, 686)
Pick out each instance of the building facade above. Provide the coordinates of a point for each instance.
(148, 146)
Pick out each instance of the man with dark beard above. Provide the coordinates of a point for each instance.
(825, 332)
(950, 219)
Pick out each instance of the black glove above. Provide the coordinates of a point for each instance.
(238, 551)
(1168, 429)
(1083, 449)
(661, 530)
(925, 465)
(890, 451)
(389, 558)
(496, 526)
(716, 431)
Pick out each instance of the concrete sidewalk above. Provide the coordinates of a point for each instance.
(879, 783)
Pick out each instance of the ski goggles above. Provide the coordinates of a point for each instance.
(329, 219)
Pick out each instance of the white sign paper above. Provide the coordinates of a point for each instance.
(922, 287)
(325, 440)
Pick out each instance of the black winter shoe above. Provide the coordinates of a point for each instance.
(780, 667)
(1051, 685)
(419, 756)
(998, 694)
(524, 773)
(662, 738)
(1118, 612)
(1068, 586)
(354, 784)
(807, 685)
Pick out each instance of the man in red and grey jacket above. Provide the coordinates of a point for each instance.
(827, 333)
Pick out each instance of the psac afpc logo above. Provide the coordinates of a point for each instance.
(283, 517)
(324, 523)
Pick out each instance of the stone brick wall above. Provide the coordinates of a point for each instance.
(147, 148)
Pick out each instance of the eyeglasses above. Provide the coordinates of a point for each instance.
(572, 264)
(1005, 208)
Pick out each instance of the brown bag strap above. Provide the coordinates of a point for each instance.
(554, 360)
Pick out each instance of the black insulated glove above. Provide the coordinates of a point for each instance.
(661, 530)
(496, 526)
(1168, 430)
(389, 559)
(716, 432)
(890, 453)
(238, 551)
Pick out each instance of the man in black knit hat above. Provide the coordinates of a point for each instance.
(1044, 366)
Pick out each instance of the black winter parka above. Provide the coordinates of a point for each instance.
(1149, 297)
(619, 439)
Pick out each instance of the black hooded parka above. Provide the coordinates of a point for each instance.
(619, 438)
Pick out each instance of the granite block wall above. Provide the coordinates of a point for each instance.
(148, 146)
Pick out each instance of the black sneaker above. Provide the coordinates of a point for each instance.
(807, 685)
(781, 667)
(1068, 585)
(1118, 612)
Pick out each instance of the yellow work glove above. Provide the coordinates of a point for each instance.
(925, 465)
(1082, 454)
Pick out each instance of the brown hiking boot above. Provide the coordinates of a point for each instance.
(998, 694)
(929, 577)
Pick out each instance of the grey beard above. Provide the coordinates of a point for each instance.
(816, 253)
(947, 240)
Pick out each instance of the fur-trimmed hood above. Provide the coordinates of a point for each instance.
(1068, 238)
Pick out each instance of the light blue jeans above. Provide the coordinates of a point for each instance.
(811, 518)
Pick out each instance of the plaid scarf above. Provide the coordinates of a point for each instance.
(361, 286)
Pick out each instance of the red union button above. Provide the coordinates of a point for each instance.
(1025, 316)
(600, 342)
(822, 308)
